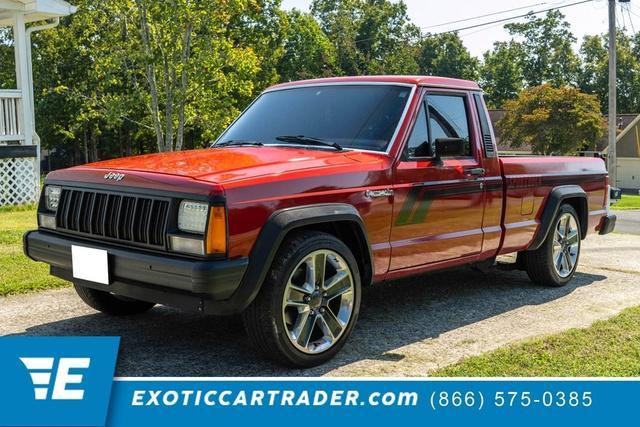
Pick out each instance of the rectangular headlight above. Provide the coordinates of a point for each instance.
(47, 221)
(52, 197)
(192, 216)
(186, 245)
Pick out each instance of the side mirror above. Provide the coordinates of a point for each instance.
(450, 147)
(424, 150)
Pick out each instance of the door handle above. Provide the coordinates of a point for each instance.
(475, 172)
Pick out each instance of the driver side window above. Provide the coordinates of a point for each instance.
(440, 116)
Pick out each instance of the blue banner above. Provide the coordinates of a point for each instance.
(67, 381)
(375, 402)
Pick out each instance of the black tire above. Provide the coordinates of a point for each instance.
(539, 263)
(264, 320)
(111, 304)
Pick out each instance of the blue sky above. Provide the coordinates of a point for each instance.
(587, 18)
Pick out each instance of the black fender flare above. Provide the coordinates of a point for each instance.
(273, 233)
(556, 198)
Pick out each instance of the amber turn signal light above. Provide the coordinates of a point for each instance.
(217, 231)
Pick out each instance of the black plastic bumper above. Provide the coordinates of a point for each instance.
(202, 285)
(608, 223)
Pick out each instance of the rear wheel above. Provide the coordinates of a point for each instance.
(111, 304)
(554, 263)
(309, 303)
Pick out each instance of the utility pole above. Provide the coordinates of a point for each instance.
(611, 157)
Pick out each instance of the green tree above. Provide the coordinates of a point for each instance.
(370, 36)
(552, 120)
(80, 96)
(261, 26)
(308, 52)
(594, 72)
(501, 74)
(635, 41)
(385, 38)
(548, 52)
(7, 61)
(445, 55)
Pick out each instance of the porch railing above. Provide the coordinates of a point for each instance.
(18, 176)
(10, 116)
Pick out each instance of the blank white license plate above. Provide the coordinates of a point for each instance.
(90, 264)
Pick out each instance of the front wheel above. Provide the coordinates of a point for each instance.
(554, 263)
(309, 303)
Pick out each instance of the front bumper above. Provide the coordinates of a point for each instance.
(607, 224)
(202, 285)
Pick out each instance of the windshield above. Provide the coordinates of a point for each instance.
(354, 116)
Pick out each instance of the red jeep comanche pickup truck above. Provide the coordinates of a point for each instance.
(317, 189)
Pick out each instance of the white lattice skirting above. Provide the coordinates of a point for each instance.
(17, 181)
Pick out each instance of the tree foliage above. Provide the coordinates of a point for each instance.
(548, 55)
(502, 76)
(445, 55)
(308, 51)
(594, 73)
(193, 64)
(7, 73)
(552, 120)
(370, 36)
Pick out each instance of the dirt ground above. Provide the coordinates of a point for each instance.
(406, 328)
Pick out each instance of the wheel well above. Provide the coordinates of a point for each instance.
(351, 235)
(580, 206)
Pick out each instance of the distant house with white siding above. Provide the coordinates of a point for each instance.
(628, 156)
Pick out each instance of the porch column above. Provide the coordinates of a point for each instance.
(22, 83)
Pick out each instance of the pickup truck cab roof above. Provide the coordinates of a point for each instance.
(431, 81)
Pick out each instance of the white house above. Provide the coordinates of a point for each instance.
(19, 143)
(628, 156)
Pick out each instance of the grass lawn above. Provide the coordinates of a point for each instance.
(627, 202)
(19, 274)
(606, 348)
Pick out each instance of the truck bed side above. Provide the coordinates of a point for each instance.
(528, 182)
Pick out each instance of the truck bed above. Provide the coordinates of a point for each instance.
(527, 183)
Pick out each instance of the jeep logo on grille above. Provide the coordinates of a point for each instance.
(114, 176)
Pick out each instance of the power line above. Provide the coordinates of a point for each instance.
(531, 13)
(628, 9)
(483, 16)
(633, 6)
(629, 6)
(481, 29)
(498, 24)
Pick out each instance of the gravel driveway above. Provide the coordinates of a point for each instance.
(628, 221)
(407, 328)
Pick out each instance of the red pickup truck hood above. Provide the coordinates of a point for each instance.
(228, 164)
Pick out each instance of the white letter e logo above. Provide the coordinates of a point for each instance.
(63, 377)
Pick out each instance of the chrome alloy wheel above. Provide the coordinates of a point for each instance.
(318, 301)
(566, 245)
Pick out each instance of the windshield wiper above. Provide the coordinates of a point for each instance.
(309, 140)
(237, 142)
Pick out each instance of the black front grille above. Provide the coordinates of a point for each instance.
(129, 218)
